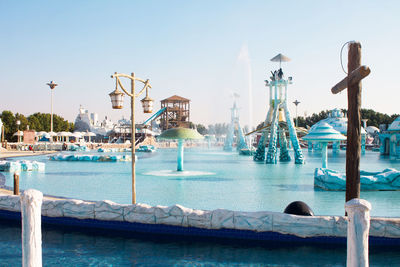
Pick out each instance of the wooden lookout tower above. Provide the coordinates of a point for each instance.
(176, 114)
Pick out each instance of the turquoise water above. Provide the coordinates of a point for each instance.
(214, 179)
(71, 248)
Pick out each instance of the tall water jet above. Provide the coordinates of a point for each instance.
(245, 58)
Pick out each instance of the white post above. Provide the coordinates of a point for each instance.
(51, 116)
(357, 232)
(31, 203)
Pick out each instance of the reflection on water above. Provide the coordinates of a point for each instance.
(66, 247)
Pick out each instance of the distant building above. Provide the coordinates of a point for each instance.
(89, 122)
(176, 114)
(390, 140)
(338, 121)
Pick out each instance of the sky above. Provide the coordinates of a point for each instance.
(201, 50)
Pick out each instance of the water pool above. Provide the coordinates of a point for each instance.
(63, 247)
(214, 179)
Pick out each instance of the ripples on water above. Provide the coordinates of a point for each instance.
(66, 247)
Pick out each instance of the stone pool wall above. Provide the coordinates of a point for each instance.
(262, 221)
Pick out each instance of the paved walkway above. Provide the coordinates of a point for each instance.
(13, 154)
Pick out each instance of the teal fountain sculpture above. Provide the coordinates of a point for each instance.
(180, 134)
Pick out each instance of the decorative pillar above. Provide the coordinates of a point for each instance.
(324, 155)
(283, 153)
(357, 232)
(180, 155)
(31, 203)
(260, 152)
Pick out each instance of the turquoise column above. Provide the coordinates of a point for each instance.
(260, 152)
(324, 155)
(283, 153)
(242, 142)
(180, 155)
(271, 154)
(298, 153)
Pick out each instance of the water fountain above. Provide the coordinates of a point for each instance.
(235, 131)
(277, 115)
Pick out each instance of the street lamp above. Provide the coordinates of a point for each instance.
(18, 122)
(117, 101)
(296, 103)
(52, 85)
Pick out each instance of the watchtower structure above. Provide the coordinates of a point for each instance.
(176, 114)
(278, 112)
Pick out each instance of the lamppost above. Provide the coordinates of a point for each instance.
(18, 122)
(296, 103)
(117, 99)
(52, 86)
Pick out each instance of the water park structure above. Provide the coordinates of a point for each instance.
(278, 113)
(235, 132)
(390, 140)
(176, 113)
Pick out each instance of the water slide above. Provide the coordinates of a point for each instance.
(154, 116)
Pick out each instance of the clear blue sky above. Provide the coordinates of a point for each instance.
(191, 48)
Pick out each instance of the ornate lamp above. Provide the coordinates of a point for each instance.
(117, 99)
(147, 104)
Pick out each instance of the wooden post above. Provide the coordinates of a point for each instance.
(352, 82)
(16, 183)
(353, 151)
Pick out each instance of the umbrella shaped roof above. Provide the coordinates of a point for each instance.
(18, 133)
(77, 134)
(64, 134)
(89, 134)
(395, 125)
(324, 132)
(280, 58)
(181, 133)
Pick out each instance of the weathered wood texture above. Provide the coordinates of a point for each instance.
(16, 184)
(353, 150)
(354, 78)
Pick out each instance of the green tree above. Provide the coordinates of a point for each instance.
(201, 129)
(41, 122)
(9, 124)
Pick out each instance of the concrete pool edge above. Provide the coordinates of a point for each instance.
(178, 220)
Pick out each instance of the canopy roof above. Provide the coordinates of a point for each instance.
(280, 58)
(181, 133)
(176, 98)
(395, 125)
(324, 133)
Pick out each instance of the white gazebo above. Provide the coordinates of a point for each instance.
(324, 133)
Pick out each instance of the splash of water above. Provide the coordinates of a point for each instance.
(245, 58)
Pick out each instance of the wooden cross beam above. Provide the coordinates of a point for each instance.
(352, 82)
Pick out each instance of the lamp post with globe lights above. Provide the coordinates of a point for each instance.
(117, 99)
(52, 85)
